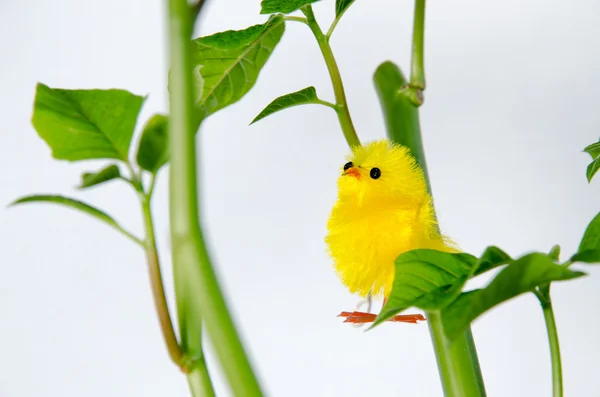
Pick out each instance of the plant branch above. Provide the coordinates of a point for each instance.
(336, 79)
(417, 70)
(295, 19)
(156, 281)
(557, 384)
(196, 285)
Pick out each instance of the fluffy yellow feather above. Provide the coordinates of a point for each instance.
(383, 209)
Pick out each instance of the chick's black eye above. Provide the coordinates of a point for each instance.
(375, 173)
(348, 165)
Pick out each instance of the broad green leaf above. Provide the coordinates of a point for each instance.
(588, 256)
(341, 6)
(304, 96)
(426, 279)
(591, 236)
(593, 150)
(80, 206)
(491, 258)
(86, 124)
(592, 169)
(153, 150)
(226, 65)
(283, 6)
(521, 276)
(106, 174)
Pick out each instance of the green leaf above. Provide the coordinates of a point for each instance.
(304, 96)
(86, 124)
(428, 279)
(153, 151)
(591, 236)
(588, 256)
(80, 206)
(106, 174)
(283, 6)
(592, 169)
(341, 6)
(521, 276)
(226, 65)
(593, 150)
(491, 258)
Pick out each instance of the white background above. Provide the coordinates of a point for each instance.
(511, 102)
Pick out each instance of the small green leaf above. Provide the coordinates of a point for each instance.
(591, 236)
(226, 65)
(521, 276)
(427, 279)
(86, 124)
(80, 206)
(554, 253)
(153, 150)
(341, 6)
(491, 258)
(283, 6)
(593, 150)
(304, 96)
(106, 174)
(592, 169)
(588, 256)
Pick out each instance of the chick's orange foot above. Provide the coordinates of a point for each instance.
(362, 317)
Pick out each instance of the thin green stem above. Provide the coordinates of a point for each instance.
(328, 104)
(336, 79)
(417, 70)
(156, 282)
(557, 384)
(457, 361)
(196, 286)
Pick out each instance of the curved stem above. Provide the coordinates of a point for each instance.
(336, 79)
(158, 291)
(197, 289)
(545, 301)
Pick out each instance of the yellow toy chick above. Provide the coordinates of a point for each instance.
(383, 209)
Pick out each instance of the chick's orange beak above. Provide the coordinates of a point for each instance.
(353, 172)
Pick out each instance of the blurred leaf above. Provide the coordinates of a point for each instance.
(588, 256)
(341, 6)
(593, 150)
(283, 6)
(592, 169)
(226, 65)
(428, 279)
(491, 258)
(106, 174)
(153, 150)
(86, 124)
(554, 253)
(80, 206)
(521, 276)
(302, 97)
(591, 236)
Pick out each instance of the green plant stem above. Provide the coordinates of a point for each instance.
(417, 69)
(457, 361)
(199, 380)
(156, 282)
(557, 385)
(336, 79)
(197, 290)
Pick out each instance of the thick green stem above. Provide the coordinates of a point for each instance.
(197, 290)
(557, 385)
(336, 79)
(199, 380)
(457, 361)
